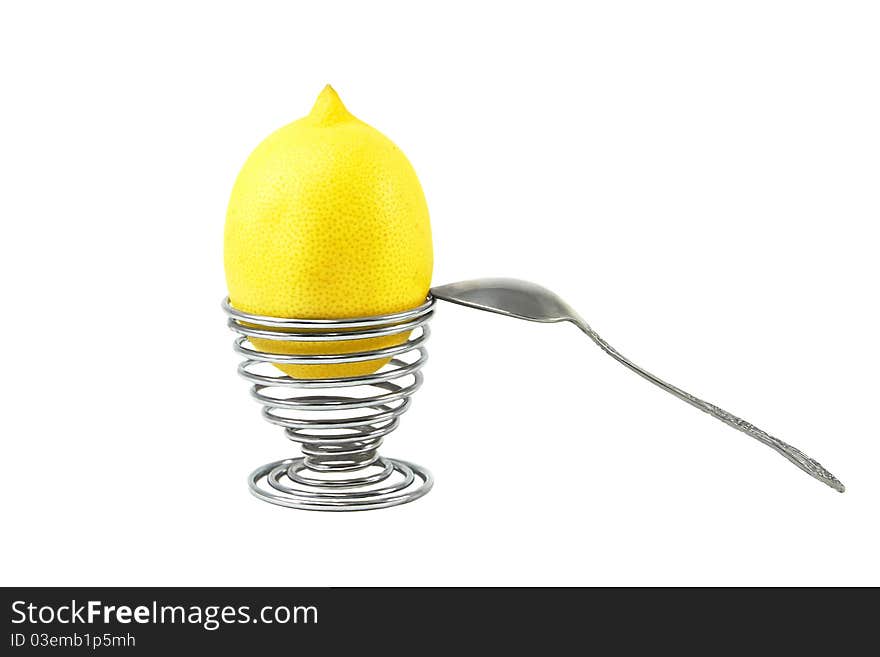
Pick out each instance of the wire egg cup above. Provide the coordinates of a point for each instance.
(340, 423)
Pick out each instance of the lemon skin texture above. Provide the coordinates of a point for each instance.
(327, 220)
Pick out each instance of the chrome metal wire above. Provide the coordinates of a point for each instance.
(340, 423)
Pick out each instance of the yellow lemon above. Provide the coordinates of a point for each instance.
(327, 220)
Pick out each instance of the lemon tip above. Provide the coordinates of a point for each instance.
(329, 108)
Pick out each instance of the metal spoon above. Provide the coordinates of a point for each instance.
(516, 298)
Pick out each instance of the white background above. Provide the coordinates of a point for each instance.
(699, 179)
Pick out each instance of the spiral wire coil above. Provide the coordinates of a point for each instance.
(341, 428)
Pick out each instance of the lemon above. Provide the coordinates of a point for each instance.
(327, 219)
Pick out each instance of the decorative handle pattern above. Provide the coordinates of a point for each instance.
(809, 465)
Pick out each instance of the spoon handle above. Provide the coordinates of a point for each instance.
(793, 454)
